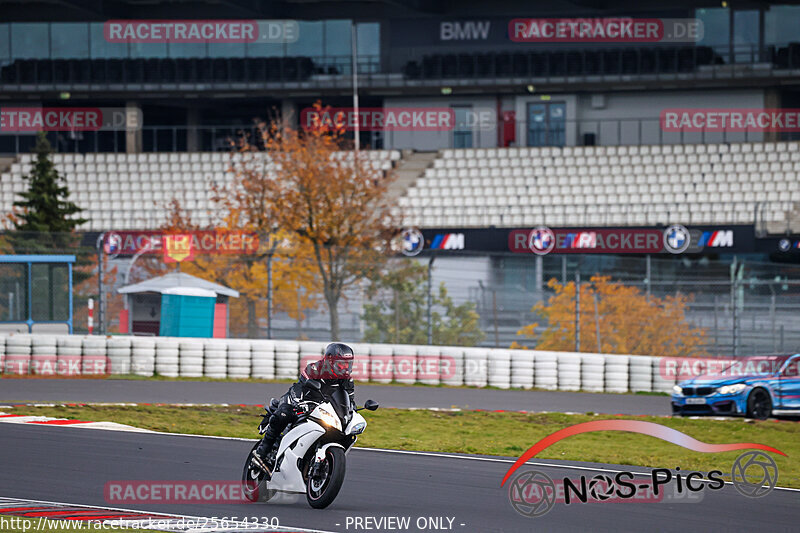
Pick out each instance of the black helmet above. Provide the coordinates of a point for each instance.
(338, 361)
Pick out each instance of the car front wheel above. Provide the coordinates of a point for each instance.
(759, 405)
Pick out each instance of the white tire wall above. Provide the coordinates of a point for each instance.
(451, 362)
(43, 355)
(310, 352)
(569, 371)
(360, 361)
(263, 359)
(240, 359)
(522, 369)
(18, 354)
(617, 374)
(94, 361)
(215, 358)
(499, 369)
(191, 358)
(380, 363)
(545, 370)
(287, 360)
(640, 369)
(69, 355)
(476, 367)
(429, 365)
(143, 356)
(119, 354)
(404, 363)
(2, 353)
(167, 357)
(662, 382)
(593, 371)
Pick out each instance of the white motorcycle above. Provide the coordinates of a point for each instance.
(310, 455)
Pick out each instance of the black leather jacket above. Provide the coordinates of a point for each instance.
(311, 373)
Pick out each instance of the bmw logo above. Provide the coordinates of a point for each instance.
(676, 239)
(541, 240)
(411, 242)
(784, 245)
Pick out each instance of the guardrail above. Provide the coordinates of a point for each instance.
(77, 355)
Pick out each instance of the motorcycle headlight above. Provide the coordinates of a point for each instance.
(677, 389)
(329, 419)
(358, 428)
(732, 389)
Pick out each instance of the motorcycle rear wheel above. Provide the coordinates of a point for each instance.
(254, 481)
(322, 489)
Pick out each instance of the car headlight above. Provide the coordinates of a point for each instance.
(329, 419)
(677, 389)
(358, 428)
(732, 389)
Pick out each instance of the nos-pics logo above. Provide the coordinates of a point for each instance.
(533, 493)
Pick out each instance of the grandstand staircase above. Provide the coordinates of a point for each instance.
(6, 162)
(408, 170)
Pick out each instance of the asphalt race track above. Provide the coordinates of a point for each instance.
(72, 465)
(137, 391)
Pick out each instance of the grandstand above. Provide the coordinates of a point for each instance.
(131, 191)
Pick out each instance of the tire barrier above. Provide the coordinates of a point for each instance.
(18, 354)
(43, 355)
(476, 367)
(522, 369)
(143, 356)
(119, 355)
(451, 362)
(569, 372)
(640, 371)
(431, 366)
(215, 358)
(191, 357)
(545, 370)
(262, 355)
(380, 363)
(593, 367)
(167, 357)
(404, 363)
(75, 355)
(69, 355)
(360, 361)
(499, 369)
(287, 359)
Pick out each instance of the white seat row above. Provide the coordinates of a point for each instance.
(577, 151)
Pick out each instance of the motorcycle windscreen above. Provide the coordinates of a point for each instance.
(341, 404)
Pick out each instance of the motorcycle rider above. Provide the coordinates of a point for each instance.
(332, 371)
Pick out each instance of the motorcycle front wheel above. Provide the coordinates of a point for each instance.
(323, 487)
(254, 481)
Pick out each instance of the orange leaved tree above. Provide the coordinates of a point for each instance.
(329, 200)
(622, 318)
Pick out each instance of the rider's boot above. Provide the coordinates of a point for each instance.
(261, 453)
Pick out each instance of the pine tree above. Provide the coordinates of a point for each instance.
(46, 207)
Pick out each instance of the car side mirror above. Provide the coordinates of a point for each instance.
(314, 384)
(371, 405)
